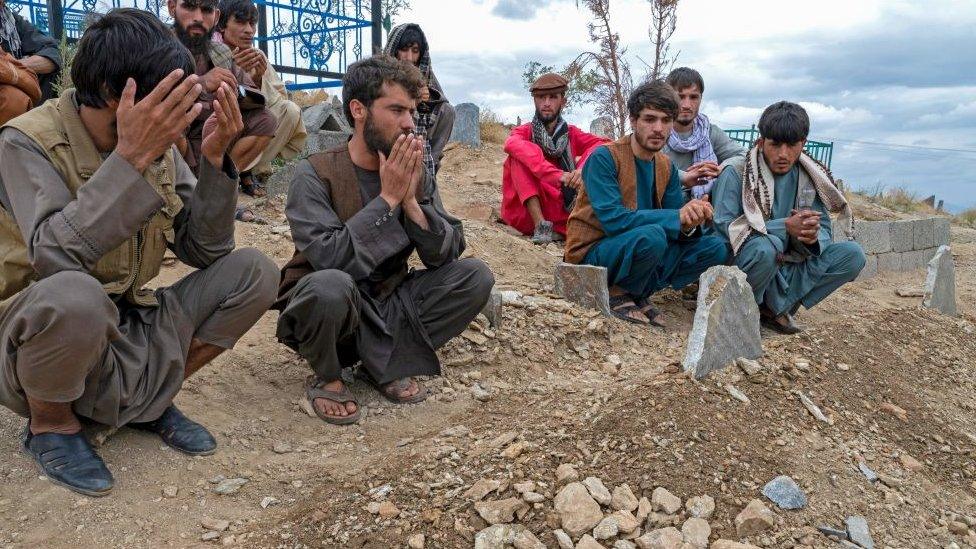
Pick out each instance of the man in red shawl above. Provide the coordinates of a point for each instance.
(542, 174)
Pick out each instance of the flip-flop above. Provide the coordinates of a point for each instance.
(653, 315)
(402, 383)
(247, 215)
(619, 308)
(252, 187)
(314, 390)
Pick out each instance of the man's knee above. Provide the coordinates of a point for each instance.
(715, 250)
(849, 258)
(291, 115)
(758, 255)
(259, 274)
(650, 240)
(330, 288)
(478, 277)
(69, 300)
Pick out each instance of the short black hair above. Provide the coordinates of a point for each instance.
(410, 36)
(241, 10)
(125, 43)
(364, 80)
(654, 94)
(684, 77)
(784, 122)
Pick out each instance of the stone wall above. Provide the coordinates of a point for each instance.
(904, 245)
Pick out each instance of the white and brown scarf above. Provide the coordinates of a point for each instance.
(556, 148)
(758, 196)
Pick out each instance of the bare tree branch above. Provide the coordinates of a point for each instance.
(664, 20)
(612, 81)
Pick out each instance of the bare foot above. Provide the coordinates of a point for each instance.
(402, 389)
(332, 408)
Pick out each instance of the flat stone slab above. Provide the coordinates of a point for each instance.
(493, 309)
(726, 323)
(785, 493)
(940, 283)
(585, 285)
(467, 125)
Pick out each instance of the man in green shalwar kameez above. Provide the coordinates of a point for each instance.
(777, 220)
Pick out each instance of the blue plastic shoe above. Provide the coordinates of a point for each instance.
(69, 461)
(180, 433)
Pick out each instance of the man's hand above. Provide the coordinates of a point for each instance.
(705, 169)
(212, 80)
(573, 179)
(147, 129)
(804, 225)
(39, 64)
(251, 60)
(229, 125)
(694, 213)
(400, 173)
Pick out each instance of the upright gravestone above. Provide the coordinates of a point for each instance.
(584, 285)
(467, 125)
(726, 325)
(940, 284)
(603, 127)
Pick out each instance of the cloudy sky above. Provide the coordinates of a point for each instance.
(892, 83)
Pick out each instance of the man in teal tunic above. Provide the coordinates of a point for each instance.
(777, 221)
(631, 216)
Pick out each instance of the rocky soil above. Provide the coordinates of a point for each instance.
(560, 428)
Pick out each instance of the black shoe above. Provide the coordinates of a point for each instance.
(69, 461)
(782, 324)
(180, 433)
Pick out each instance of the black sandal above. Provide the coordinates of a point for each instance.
(251, 186)
(69, 461)
(621, 306)
(180, 433)
(653, 315)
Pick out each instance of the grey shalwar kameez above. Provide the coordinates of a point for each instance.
(360, 303)
(66, 339)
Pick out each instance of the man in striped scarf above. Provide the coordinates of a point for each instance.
(777, 219)
(542, 175)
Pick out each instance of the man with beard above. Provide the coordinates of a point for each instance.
(357, 213)
(34, 49)
(194, 22)
(700, 149)
(777, 219)
(435, 115)
(541, 175)
(631, 216)
(93, 193)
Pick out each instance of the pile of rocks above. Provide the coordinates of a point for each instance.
(587, 514)
(327, 128)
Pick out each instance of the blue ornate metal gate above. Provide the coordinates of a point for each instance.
(311, 40)
(824, 152)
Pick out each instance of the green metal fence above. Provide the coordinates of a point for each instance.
(824, 152)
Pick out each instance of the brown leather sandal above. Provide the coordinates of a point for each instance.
(314, 389)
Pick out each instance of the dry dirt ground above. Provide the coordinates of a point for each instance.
(549, 392)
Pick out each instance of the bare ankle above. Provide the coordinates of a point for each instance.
(52, 417)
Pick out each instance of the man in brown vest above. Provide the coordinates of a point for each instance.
(357, 213)
(194, 22)
(632, 218)
(93, 192)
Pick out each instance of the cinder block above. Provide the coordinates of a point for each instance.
(943, 232)
(890, 261)
(870, 267)
(873, 236)
(902, 236)
(915, 259)
(924, 233)
(927, 255)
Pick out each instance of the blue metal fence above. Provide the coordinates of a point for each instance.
(311, 40)
(824, 152)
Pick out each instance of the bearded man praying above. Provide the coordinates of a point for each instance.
(631, 216)
(357, 213)
(541, 175)
(194, 22)
(699, 149)
(777, 220)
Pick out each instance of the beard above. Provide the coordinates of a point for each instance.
(375, 139)
(196, 44)
(549, 119)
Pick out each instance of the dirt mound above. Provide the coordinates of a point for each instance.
(553, 384)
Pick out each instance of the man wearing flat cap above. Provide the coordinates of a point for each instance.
(542, 172)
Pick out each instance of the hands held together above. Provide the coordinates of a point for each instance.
(804, 225)
(573, 179)
(695, 212)
(402, 171)
(705, 169)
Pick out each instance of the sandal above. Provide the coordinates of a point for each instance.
(247, 215)
(621, 306)
(68, 461)
(652, 314)
(251, 186)
(180, 433)
(400, 385)
(314, 389)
